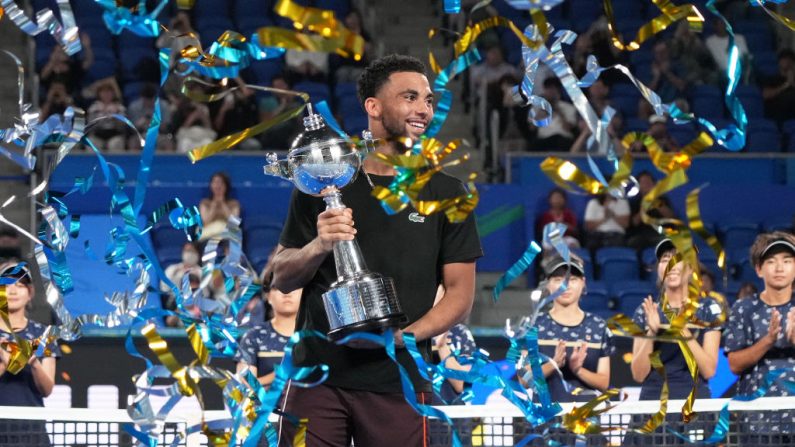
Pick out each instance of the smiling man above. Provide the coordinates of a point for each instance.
(362, 399)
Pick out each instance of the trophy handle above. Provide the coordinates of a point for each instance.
(276, 167)
(347, 255)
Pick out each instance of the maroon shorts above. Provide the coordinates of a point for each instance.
(336, 416)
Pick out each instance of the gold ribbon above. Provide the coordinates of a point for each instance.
(565, 173)
(577, 420)
(20, 349)
(697, 225)
(670, 13)
(187, 385)
(656, 419)
(346, 44)
(665, 161)
(418, 170)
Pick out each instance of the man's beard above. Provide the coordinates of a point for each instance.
(393, 127)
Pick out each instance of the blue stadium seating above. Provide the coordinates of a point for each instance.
(265, 70)
(751, 98)
(765, 64)
(204, 9)
(355, 124)
(648, 264)
(259, 241)
(341, 8)
(586, 258)
(617, 264)
(707, 102)
(763, 141)
(627, 105)
(738, 233)
(597, 300)
(130, 59)
(318, 91)
(630, 294)
(778, 223)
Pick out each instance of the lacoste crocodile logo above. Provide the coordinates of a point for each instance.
(416, 217)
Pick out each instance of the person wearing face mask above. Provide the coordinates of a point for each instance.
(175, 273)
(576, 343)
(363, 398)
(650, 316)
(36, 380)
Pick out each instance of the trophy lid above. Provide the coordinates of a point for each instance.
(320, 158)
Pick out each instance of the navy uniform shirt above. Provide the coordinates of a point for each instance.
(19, 389)
(460, 340)
(262, 347)
(592, 329)
(748, 322)
(680, 383)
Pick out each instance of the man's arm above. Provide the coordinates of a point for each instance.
(294, 267)
(452, 308)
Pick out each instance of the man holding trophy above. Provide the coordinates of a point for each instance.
(362, 399)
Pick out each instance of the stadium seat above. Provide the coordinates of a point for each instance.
(265, 70)
(617, 264)
(763, 141)
(344, 90)
(751, 98)
(249, 25)
(740, 266)
(762, 124)
(586, 257)
(131, 60)
(648, 264)
(341, 8)
(204, 9)
(596, 299)
(738, 234)
(318, 91)
(259, 241)
(355, 124)
(778, 223)
(627, 105)
(627, 10)
(630, 294)
(765, 64)
(707, 102)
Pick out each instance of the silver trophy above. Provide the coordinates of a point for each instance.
(320, 163)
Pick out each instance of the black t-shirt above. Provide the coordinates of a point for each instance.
(779, 107)
(408, 247)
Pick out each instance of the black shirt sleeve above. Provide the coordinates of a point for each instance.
(460, 241)
(300, 227)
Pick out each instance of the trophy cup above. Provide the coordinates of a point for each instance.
(320, 163)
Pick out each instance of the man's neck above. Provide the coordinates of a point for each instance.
(377, 167)
(776, 297)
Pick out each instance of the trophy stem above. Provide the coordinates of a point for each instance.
(347, 255)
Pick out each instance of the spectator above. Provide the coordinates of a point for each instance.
(718, 46)
(191, 305)
(307, 65)
(218, 206)
(779, 91)
(188, 265)
(747, 290)
(598, 95)
(558, 134)
(639, 234)
(658, 129)
(559, 212)
(262, 347)
(58, 99)
(695, 58)
(614, 130)
(10, 245)
(606, 221)
(492, 70)
(348, 69)
(36, 379)
(140, 113)
(65, 69)
(667, 79)
(235, 112)
(108, 133)
(280, 136)
(191, 125)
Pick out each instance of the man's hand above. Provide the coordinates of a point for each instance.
(335, 225)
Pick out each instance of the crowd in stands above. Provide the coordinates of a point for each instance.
(682, 66)
(119, 75)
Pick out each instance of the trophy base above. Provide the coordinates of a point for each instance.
(376, 326)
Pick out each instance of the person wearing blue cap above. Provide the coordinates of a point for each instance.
(760, 334)
(36, 380)
(577, 344)
(651, 316)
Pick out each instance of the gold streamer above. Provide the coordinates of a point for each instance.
(346, 44)
(697, 225)
(421, 167)
(299, 440)
(20, 349)
(187, 385)
(227, 142)
(656, 419)
(670, 13)
(564, 173)
(320, 21)
(577, 420)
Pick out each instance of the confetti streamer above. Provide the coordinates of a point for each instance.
(65, 32)
(670, 13)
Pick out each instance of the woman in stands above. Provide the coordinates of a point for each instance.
(650, 316)
(262, 347)
(36, 379)
(577, 344)
(219, 206)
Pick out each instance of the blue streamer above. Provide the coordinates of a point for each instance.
(452, 69)
(324, 111)
(516, 270)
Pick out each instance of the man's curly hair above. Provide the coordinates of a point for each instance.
(377, 73)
